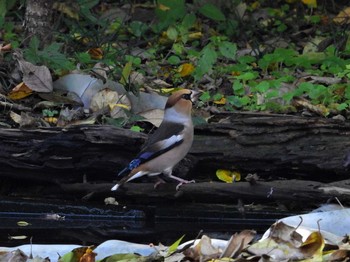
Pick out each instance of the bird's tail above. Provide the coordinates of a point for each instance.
(124, 171)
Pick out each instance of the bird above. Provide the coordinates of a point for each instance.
(168, 145)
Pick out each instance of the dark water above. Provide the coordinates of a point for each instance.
(87, 225)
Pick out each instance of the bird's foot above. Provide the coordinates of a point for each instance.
(183, 182)
(158, 182)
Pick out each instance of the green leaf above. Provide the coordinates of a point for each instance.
(136, 129)
(174, 60)
(174, 246)
(205, 97)
(188, 21)
(126, 73)
(83, 57)
(342, 106)
(172, 33)
(228, 49)
(263, 86)
(124, 258)
(211, 11)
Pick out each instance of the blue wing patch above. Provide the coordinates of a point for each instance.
(134, 163)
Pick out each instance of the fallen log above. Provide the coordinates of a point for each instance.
(312, 148)
(274, 147)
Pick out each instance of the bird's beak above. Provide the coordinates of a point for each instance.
(195, 95)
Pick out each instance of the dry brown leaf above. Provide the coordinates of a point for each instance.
(237, 243)
(95, 53)
(319, 109)
(343, 17)
(103, 98)
(154, 116)
(37, 78)
(20, 91)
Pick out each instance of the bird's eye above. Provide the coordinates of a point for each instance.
(186, 96)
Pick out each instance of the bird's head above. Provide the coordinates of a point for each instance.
(182, 101)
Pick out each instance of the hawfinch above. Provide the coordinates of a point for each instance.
(168, 144)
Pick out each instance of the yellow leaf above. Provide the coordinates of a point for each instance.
(168, 90)
(313, 246)
(228, 176)
(185, 69)
(112, 106)
(95, 53)
(310, 3)
(163, 7)
(194, 36)
(20, 91)
(221, 101)
(236, 176)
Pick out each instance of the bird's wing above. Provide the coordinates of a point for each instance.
(166, 137)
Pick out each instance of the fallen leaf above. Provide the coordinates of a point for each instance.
(343, 17)
(310, 3)
(185, 69)
(37, 78)
(103, 98)
(20, 91)
(237, 243)
(228, 176)
(221, 101)
(95, 53)
(313, 246)
(163, 7)
(154, 116)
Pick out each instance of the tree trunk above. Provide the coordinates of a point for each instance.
(38, 20)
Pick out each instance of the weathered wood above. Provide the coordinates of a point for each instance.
(282, 146)
(296, 158)
(289, 146)
(296, 191)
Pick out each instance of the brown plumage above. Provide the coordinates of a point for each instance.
(168, 144)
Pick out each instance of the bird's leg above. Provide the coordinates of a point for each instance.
(158, 182)
(182, 181)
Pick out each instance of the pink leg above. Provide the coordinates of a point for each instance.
(182, 181)
(158, 182)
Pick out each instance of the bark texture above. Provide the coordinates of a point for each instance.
(38, 19)
(294, 158)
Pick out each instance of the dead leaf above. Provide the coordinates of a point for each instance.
(237, 243)
(185, 69)
(205, 249)
(37, 78)
(20, 91)
(89, 256)
(95, 53)
(16, 255)
(319, 109)
(154, 116)
(313, 246)
(221, 101)
(24, 120)
(343, 17)
(103, 98)
(161, 83)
